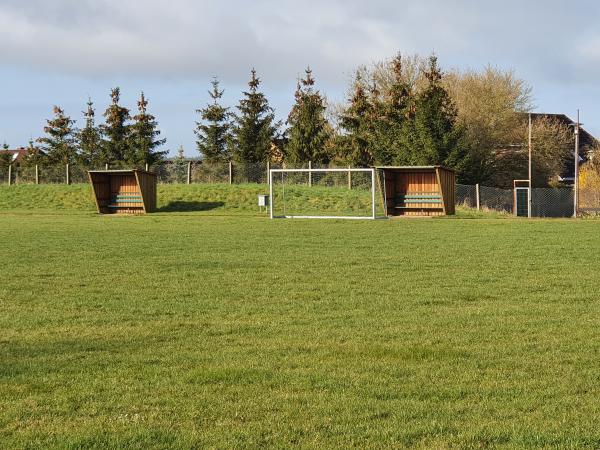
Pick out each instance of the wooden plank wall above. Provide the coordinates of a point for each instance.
(107, 186)
(418, 182)
(124, 184)
(390, 189)
(438, 181)
(147, 183)
(448, 189)
(101, 188)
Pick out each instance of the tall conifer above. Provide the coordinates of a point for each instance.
(90, 140)
(143, 142)
(434, 136)
(179, 166)
(355, 120)
(254, 126)
(59, 143)
(33, 156)
(309, 129)
(395, 114)
(115, 131)
(214, 131)
(5, 157)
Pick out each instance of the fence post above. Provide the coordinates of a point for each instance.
(349, 179)
(68, 177)
(477, 198)
(37, 175)
(9, 174)
(268, 172)
(310, 174)
(189, 173)
(230, 172)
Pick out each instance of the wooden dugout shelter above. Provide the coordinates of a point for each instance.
(124, 191)
(418, 190)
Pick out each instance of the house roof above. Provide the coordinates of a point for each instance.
(17, 154)
(585, 138)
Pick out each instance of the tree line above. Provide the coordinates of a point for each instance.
(401, 111)
(122, 140)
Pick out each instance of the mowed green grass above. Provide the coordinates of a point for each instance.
(60, 198)
(205, 329)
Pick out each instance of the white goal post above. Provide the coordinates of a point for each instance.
(343, 193)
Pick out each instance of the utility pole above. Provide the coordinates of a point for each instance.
(576, 181)
(529, 170)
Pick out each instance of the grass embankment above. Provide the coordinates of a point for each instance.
(171, 198)
(196, 331)
(207, 198)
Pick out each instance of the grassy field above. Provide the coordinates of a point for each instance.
(207, 325)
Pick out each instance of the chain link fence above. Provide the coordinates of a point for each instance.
(226, 172)
(496, 199)
(3, 175)
(466, 196)
(545, 202)
(167, 173)
(589, 201)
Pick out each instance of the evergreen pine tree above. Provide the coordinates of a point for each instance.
(394, 115)
(179, 166)
(59, 144)
(5, 157)
(355, 120)
(214, 132)
(309, 129)
(90, 140)
(142, 138)
(33, 156)
(115, 131)
(434, 136)
(254, 126)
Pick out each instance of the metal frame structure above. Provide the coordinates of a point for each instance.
(520, 185)
(310, 172)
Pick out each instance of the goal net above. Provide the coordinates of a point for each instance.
(325, 194)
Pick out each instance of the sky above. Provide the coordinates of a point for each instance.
(60, 52)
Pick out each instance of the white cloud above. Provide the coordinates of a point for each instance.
(185, 38)
(552, 44)
(182, 37)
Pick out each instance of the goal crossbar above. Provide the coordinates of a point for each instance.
(372, 216)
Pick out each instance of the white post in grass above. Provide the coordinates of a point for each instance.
(373, 192)
(529, 167)
(230, 172)
(189, 173)
(309, 174)
(9, 174)
(477, 197)
(268, 172)
(271, 194)
(67, 174)
(349, 179)
(576, 175)
(37, 175)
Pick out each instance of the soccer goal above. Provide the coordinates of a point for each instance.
(325, 194)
